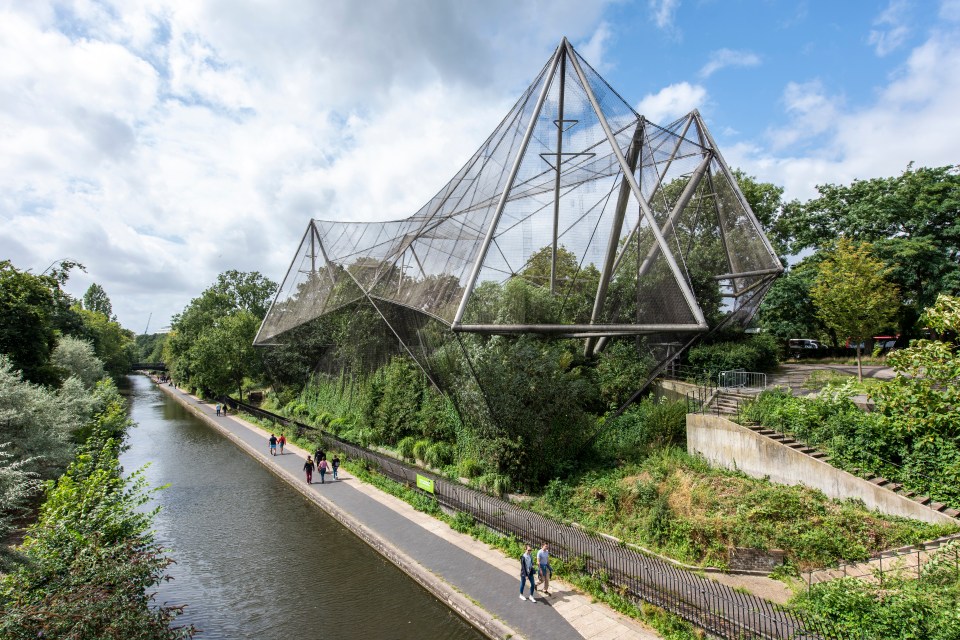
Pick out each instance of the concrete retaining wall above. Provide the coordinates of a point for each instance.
(673, 389)
(727, 444)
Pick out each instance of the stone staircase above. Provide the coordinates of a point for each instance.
(877, 480)
(727, 403)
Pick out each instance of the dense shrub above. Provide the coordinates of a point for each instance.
(759, 353)
(90, 557)
(644, 427)
(899, 607)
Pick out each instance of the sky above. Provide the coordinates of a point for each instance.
(162, 142)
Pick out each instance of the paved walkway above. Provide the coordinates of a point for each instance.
(478, 582)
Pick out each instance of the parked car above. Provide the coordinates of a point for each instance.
(803, 348)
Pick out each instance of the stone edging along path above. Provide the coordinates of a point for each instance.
(492, 608)
(471, 612)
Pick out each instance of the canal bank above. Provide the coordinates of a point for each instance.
(477, 582)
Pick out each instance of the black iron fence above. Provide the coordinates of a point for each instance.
(707, 604)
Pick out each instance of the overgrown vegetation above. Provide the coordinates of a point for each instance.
(894, 605)
(913, 436)
(678, 505)
(89, 560)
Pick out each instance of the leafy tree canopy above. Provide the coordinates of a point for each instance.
(913, 220)
(853, 295)
(210, 344)
(33, 309)
(96, 299)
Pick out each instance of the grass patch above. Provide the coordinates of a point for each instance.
(681, 507)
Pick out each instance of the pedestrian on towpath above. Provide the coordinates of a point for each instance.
(273, 445)
(282, 440)
(218, 409)
(335, 466)
(319, 455)
(527, 573)
(308, 468)
(322, 465)
(545, 570)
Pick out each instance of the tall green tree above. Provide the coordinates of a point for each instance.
(853, 295)
(912, 219)
(33, 310)
(210, 345)
(96, 299)
(787, 310)
(113, 344)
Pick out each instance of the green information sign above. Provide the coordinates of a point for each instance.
(424, 483)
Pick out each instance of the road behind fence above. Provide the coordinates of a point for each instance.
(709, 605)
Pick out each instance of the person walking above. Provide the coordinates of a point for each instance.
(545, 570)
(273, 445)
(308, 468)
(218, 409)
(335, 465)
(319, 455)
(322, 466)
(527, 572)
(282, 440)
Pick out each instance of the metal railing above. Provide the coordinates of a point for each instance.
(709, 605)
(742, 380)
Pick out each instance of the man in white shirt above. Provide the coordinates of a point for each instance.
(545, 570)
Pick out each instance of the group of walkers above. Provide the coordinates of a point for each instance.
(274, 441)
(319, 462)
(542, 571)
(222, 409)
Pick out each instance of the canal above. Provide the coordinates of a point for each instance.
(254, 559)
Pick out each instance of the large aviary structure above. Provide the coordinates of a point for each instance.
(576, 218)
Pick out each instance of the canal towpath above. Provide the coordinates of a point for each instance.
(478, 582)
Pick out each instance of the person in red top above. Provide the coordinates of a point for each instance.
(282, 440)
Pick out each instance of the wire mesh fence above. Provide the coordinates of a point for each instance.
(707, 604)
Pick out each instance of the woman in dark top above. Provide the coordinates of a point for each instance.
(308, 468)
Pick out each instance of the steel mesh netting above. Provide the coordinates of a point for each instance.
(626, 569)
(548, 182)
(545, 202)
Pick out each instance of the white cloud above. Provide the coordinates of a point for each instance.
(950, 10)
(672, 102)
(663, 12)
(891, 29)
(164, 141)
(728, 58)
(812, 112)
(595, 48)
(913, 118)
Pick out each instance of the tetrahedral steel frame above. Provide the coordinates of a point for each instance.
(553, 165)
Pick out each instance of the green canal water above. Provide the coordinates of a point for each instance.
(254, 559)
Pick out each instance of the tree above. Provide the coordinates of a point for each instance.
(913, 220)
(853, 295)
(204, 346)
(113, 344)
(77, 358)
(787, 310)
(224, 355)
(96, 299)
(766, 201)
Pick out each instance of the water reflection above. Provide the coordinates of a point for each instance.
(254, 558)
